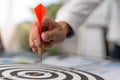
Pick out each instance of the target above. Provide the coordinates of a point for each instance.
(43, 72)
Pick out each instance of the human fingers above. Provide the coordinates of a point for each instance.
(34, 39)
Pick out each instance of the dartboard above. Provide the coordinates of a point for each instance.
(43, 72)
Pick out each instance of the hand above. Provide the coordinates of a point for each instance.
(53, 33)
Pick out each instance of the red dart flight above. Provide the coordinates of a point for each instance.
(40, 11)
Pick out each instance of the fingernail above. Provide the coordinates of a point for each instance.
(45, 36)
(33, 49)
(37, 43)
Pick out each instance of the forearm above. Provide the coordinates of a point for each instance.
(77, 11)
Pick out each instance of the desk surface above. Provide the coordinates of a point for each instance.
(107, 69)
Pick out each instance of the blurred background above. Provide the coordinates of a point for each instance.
(90, 46)
(16, 17)
(15, 20)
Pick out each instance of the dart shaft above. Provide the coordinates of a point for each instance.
(40, 52)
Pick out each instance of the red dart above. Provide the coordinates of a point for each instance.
(40, 11)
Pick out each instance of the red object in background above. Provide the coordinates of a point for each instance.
(40, 11)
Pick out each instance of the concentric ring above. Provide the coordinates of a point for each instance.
(43, 72)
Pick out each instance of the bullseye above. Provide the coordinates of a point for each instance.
(34, 74)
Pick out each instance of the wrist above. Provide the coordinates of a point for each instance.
(67, 28)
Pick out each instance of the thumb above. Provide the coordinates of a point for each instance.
(49, 35)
